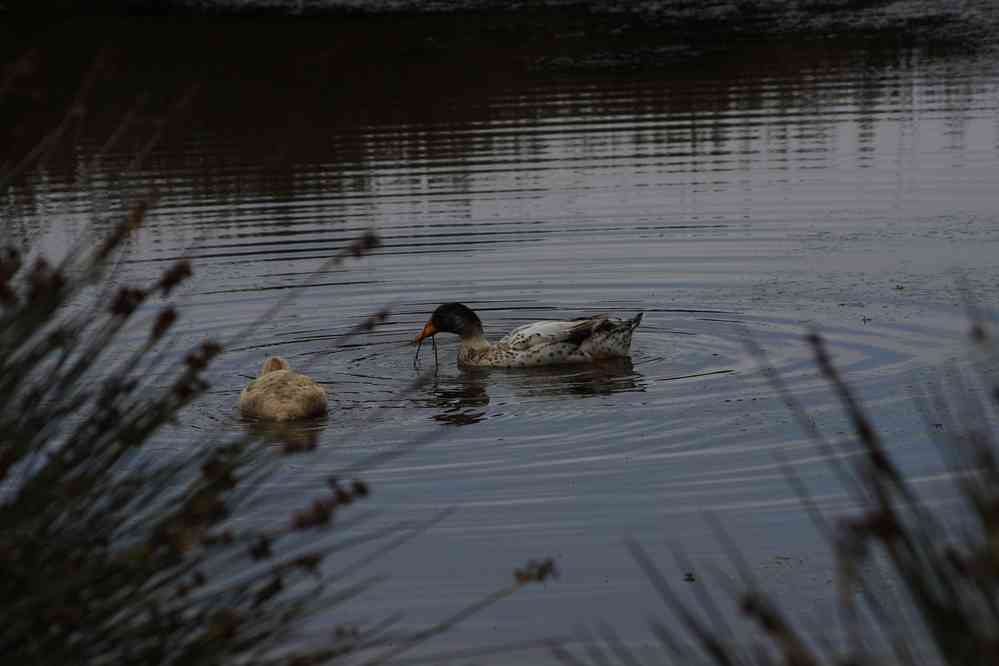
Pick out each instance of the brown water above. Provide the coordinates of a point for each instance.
(841, 180)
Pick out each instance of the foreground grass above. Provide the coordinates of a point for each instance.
(949, 611)
(115, 554)
(114, 551)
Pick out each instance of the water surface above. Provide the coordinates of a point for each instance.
(843, 181)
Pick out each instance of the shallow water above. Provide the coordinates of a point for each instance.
(836, 181)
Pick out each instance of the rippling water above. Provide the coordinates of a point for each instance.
(838, 181)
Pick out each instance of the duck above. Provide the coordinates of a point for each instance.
(280, 394)
(541, 343)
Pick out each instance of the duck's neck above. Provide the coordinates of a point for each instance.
(475, 342)
(472, 348)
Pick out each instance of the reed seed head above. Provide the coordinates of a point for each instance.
(10, 262)
(164, 321)
(173, 276)
(262, 548)
(126, 301)
(369, 241)
(308, 563)
(43, 281)
(536, 571)
(269, 591)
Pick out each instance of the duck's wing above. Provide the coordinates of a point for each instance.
(541, 333)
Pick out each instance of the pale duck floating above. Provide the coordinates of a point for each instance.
(279, 394)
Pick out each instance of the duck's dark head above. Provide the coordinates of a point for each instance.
(452, 318)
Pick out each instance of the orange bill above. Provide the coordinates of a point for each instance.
(427, 331)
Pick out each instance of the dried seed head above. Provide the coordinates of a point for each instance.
(59, 337)
(43, 281)
(342, 496)
(216, 471)
(319, 514)
(126, 301)
(261, 549)
(198, 359)
(183, 390)
(757, 608)
(8, 296)
(10, 262)
(309, 563)
(195, 361)
(136, 216)
(40, 267)
(174, 276)
(164, 321)
(375, 319)
(57, 281)
(188, 387)
(360, 488)
(210, 349)
(267, 592)
(206, 507)
(365, 243)
(536, 572)
(181, 539)
(224, 624)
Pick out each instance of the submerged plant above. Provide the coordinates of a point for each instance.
(950, 574)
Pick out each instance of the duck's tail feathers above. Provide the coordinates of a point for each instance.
(635, 321)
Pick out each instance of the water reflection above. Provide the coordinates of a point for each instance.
(291, 437)
(580, 381)
(462, 399)
(373, 133)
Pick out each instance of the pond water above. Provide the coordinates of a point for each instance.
(723, 184)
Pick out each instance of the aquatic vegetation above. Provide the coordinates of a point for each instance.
(949, 612)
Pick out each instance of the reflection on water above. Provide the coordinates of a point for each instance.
(604, 378)
(458, 400)
(334, 107)
(292, 436)
(547, 168)
(462, 397)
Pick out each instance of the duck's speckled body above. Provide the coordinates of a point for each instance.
(278, 394)
(542, 343)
